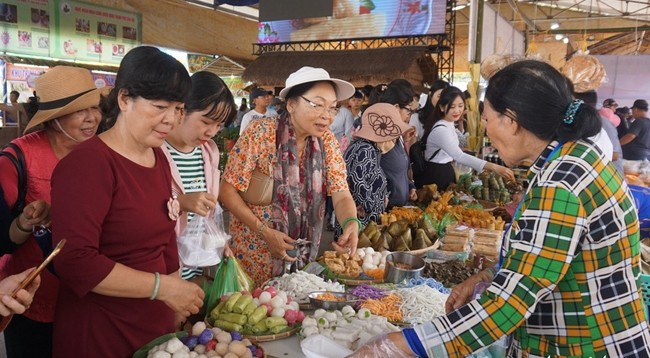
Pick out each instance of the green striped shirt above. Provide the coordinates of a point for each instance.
(191, 168)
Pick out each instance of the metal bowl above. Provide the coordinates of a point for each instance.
(395, 274)
(348, 300)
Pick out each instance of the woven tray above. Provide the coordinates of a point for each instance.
(355, 282)
(273, 337)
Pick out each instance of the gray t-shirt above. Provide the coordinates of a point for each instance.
(639, 148)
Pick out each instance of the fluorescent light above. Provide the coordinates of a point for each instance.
(559, 37)
(565, 40)
(555, 25)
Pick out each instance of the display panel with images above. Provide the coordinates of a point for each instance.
(92, 32)
(361, 19)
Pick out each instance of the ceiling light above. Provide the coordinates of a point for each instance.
(555, 25)
(565, 40)
(559, 37)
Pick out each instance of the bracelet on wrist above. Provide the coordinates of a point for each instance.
(350, 219)
(20, 228)
(260, 228)
(156, 287)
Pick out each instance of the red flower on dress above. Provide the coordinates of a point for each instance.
(413, 7)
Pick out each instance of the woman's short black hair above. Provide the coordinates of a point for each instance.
(209, 92)
(537, 96)
(149, 73)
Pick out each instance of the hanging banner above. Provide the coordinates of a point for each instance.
(103, 79)
(198, 62)
(68, 30)
(22, 79)
(25, 26)
(95, 33)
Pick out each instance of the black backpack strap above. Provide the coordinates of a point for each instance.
(18, 160)
(434, 154)
(437, 151)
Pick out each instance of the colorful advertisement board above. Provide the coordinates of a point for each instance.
(361, 19)
(25, 26)
(95, 33)
(67, 30)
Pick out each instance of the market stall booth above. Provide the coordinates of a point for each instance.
(360, 67)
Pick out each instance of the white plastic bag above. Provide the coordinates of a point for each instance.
(319, 346)
(202, 242)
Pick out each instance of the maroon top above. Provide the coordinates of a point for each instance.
(40, 161)
(110, 210)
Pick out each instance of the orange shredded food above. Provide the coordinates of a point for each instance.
(388, 306)
(330, 297)
(377, 273)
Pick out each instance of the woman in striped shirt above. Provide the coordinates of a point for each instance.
(193, 156)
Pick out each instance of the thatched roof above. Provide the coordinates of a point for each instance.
(360, 67)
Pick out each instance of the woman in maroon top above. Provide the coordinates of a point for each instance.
(69, 115)
(120, 285)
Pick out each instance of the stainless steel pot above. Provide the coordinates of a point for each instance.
(395, 274)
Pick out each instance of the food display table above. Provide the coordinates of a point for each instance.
(284, 348)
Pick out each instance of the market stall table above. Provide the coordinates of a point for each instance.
(288, 347)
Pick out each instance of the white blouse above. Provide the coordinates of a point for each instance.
(444, 137)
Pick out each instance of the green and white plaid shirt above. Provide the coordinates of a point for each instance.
(568, 285)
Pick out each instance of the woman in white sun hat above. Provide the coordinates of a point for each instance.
(299, 156)
(68, 115)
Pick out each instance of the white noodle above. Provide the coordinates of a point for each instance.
(421, 303)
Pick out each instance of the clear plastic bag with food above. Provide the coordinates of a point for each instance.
(202, 242)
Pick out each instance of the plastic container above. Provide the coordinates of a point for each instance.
(396, 267)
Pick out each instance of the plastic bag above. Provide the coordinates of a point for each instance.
(230, 277)
(319, 346)
(245, 282)
(202, 242)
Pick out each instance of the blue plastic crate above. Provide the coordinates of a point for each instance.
(645, 293)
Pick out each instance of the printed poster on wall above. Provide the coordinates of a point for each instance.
(25, 26)
(95, 33)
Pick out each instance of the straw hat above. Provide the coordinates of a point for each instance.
(382, 122)
(64, 90)
(344, 89)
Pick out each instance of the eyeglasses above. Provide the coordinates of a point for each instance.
(321, 108)
(410, 110)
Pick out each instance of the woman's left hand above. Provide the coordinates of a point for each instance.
(227, 252)
(347, 242)
(36, 213)
(413, 195)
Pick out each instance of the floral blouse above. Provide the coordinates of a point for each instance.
(256, 149)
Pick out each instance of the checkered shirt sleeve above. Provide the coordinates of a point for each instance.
(568, 283)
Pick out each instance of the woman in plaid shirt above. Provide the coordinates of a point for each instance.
(567, 282)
